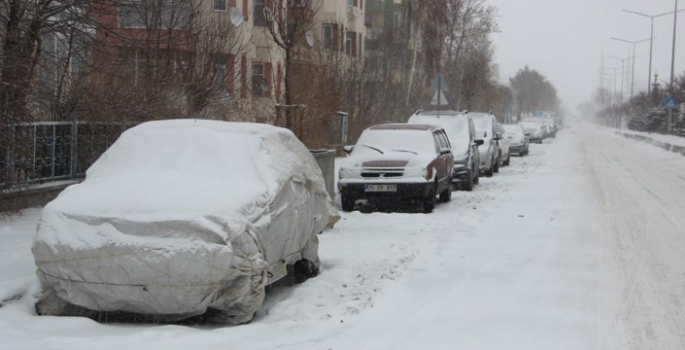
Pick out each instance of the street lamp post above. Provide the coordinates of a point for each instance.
(651, 40)
(623, 69)
(632, 74)
(617, 121)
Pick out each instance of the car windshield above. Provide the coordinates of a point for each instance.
(456, 127)
(402, 141)
(513, 130)
(530, 125)
(483, 124)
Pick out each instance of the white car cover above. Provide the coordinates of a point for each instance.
(182, 216)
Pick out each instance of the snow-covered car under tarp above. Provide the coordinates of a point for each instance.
(181, 217)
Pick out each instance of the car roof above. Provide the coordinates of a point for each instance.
(441, 113)
(415, 127)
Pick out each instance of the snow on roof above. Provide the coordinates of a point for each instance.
(403, 127)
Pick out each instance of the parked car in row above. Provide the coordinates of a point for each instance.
(534, 129)
(461, 132)
(518, 141)
(181, 217)
(398, 162)
(503, 145)
(489, 151)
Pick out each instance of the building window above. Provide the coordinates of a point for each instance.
(397, 20)
(131, 15)
(351, 44)
(259, 15)
(261, 86)
(220, 5)
(140, 14)
(219, 72)
(330, 36)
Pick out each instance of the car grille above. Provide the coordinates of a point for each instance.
(382, 173)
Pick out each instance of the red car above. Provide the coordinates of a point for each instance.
(398, 162)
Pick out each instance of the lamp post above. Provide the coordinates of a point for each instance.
(623, 69)
(651, 40)
(632, 74)
(613, 94)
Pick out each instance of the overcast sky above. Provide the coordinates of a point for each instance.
(564, 40)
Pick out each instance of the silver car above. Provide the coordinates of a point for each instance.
(489, 151)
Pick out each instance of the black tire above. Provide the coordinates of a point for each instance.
(497, 163)
(476, 172)
(469, 183)
(446, 195)
(508, 161)
(304, 270)
(429, 202)
(347, 203)
(491, 171)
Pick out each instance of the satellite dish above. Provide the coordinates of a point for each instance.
(268, 14)
(356, 12)
(236, 15)
(309, 37)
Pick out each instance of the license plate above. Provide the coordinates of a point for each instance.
(381, 188)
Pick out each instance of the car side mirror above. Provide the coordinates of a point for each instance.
(479, 142)
(348, 149)
(444, 151)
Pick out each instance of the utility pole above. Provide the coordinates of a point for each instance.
(632, 74)
(651, 40)
(675, 28)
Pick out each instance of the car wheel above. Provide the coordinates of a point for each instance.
(429, 203)
(508, 161)
(304, 270)
(446, 195)
(496, 163)
(347, 203)
(468, 184)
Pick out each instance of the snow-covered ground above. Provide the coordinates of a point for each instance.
(578, 246)
(673, 140)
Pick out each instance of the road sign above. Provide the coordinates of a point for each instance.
(439, 84)
(671, 103)
(439, 99)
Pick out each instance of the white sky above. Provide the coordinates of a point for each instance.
(563, 39)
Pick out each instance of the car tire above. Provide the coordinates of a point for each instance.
(304, 270)
(468, 184)
(496, 164)
(429, 202)
(446, 195)
(508, 161)
(347, 203)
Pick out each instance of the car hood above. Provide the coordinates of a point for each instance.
(389, 160)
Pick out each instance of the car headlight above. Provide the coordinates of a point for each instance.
(415, 172)
(347, 173)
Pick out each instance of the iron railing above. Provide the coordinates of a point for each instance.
(49, 151)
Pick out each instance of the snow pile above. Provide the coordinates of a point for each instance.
(178, 217)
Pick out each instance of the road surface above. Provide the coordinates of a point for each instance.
(578, 246)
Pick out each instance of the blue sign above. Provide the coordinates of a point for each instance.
(671, 103)
(439, 84)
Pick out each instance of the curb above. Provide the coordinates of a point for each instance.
(663, 145)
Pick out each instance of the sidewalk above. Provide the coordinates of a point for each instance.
(16, 235)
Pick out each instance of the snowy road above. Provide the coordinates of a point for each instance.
(578, 246)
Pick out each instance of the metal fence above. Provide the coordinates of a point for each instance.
(49, 151)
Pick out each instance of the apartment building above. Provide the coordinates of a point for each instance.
(227, 43)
